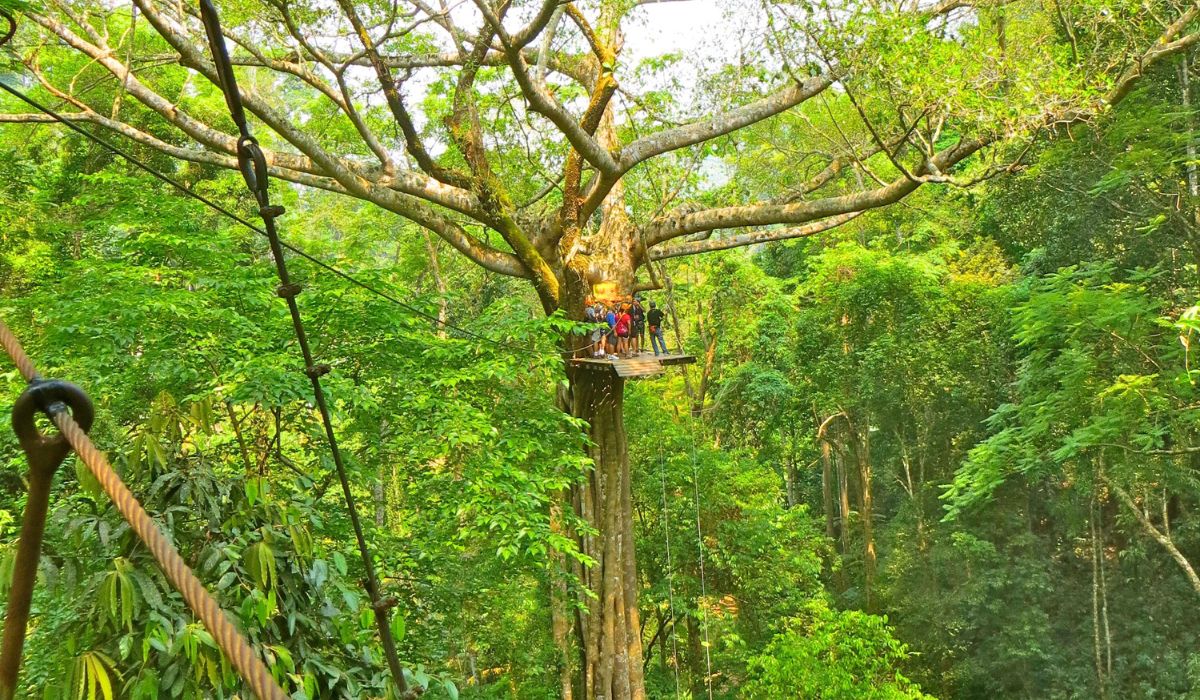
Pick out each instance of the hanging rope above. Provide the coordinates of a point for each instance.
(58, 400)
(253, 164)
(700, 546)
(670, 571)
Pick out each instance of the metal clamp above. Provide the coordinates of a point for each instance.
(49, 396)
(45, 454)
(253, 164)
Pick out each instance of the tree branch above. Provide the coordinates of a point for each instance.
(799, 212)
(541, 102)
(745, 239)
(1157, 535)
(721, 124)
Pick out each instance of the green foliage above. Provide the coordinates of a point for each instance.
(980, 373)
(832, 655)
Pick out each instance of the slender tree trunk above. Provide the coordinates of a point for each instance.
(1193, 178)
(843, 502)
(792, 475)
(695, 654)
(379, 488)
(1163, 537)
(1101, 679)
(1104, 602)
(560, 614)
(862, 452)
(827, 487)
(439, 282)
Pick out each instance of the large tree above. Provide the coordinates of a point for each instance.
(516, 133)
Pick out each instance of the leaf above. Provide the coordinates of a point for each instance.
(339, 563)
(397, 626)
(102, 678)
(259, 560)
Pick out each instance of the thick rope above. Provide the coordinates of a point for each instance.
(12, 346)
(244, 659)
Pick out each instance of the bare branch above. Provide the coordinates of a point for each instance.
(720, 124)
(799, 212)
(387, 82)
(745, 239)
(541, 102)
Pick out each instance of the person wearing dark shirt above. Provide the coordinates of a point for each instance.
(638, 314)
(594, 314)
(654, 319)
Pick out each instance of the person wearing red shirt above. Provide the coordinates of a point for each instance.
(623, 327)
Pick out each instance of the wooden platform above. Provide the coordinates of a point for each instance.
(639, 366)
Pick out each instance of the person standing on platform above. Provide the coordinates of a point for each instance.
(624, 327)
(594, 314)
(638, 315)
(655, 320)
(611, 319)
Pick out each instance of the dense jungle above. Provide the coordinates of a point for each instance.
(937, 265)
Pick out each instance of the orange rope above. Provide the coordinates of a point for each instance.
(244, 659)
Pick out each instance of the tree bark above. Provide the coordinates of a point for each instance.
(611, 643)
(435, 268)
(560, 615)
(695, 655)
(827, 487)
(862, 453)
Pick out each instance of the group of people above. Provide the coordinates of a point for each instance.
(621, 328)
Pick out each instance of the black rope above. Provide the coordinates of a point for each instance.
(12, 27)
(134, 160)
(253, 165)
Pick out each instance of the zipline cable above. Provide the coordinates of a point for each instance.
(232, 643)
(700, 545)
(142, 165)
(253, 164)
(670, 572)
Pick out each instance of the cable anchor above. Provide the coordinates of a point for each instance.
(45, 453)
(51, 397)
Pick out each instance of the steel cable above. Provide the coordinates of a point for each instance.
(253, 164)
(232, 643)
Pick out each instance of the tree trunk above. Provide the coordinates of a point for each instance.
(560, 609)
(1163, 536)
(696, 669)
(862, 452)
(610, 633)
(827, 487)
(1101, 681)
(843, 502)
(439, 283)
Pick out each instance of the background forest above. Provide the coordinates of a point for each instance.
(947, 449)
